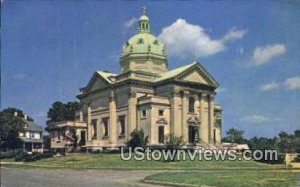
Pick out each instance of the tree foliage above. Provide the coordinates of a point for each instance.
(46, 141)
(72, 140)
(10, 126)
(138, 139)
(234, 135)
(173, 142)
(19, 112)
(63, 112)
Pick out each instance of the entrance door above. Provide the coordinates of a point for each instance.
(214, 135)
(193, 134)
(82, 137)
(161, 134)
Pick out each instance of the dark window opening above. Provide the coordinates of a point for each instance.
(214, 135)
(122, 126)
(144, 113)
(193, 134)
(191, 104)
(161, 112)
(94, 124)
(105, 127)
(161, 134)
(58, 135)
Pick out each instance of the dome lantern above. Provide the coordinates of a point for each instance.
(143, 51)
(144, 22)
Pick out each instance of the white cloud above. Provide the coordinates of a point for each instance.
(262, 55)
(292, 83)
(183, 38)
(234, 34)
(220, 90)
(130, 23)
(269, 86)
(256, 119)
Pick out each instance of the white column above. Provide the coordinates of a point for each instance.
(211, 117)
(132, 113)
(89, 129)
(184, 127)
(112, 119)
(204, 123)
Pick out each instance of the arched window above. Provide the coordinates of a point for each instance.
(191, 104)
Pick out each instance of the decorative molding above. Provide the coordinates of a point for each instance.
(162, 121)
(194, 119)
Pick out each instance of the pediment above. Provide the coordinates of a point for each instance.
(197, 74)
(194, 77)
(96, 82)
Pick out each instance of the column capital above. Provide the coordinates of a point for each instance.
(175, 92)
(185, 93)
(112, 95)
(211, 97)
(132, 94)
(202, 95)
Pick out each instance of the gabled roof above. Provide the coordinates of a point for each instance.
(174, 72)
(106, 75)
(31, 126)
(102, 74)
(183, 69)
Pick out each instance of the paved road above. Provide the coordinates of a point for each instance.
(15, 177)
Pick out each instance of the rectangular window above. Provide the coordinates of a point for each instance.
(58, 135)
(122, 125)
(94, 126)
(105, 127)
(161, 112)
(161, 134)
(214, 135)
(144, 113)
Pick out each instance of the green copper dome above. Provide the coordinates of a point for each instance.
(144, 42)
(144, 51)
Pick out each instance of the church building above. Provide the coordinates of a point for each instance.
(146, 95)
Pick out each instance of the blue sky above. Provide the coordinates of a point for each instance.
(49, 49)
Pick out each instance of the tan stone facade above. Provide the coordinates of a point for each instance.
(113, 109)
(61, 132)
(145, 95)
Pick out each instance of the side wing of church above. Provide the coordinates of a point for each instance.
(146, 95)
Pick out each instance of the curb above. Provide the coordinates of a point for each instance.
(170, 184)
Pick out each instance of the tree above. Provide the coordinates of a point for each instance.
(138, 139)
(19, 112)
(234, 135)
(285, 142)
(10, 126)
(72, 140)
(46, 141)
(63, 112)
(296, 142)
(173, 143)
(262, 143)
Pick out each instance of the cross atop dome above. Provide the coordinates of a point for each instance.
(144, 22)
(144, 10)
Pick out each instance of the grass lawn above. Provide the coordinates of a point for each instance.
(113, 161)
(229, 179)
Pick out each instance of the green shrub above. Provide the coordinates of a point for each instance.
(37, 156)
(280, 159)
(297, 159)
(20, 156)
(6, 155)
